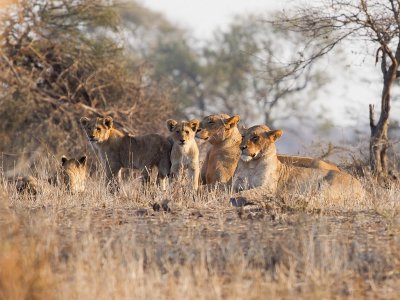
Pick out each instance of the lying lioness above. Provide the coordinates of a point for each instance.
(118, 150)
(222, 133)
(260, 172)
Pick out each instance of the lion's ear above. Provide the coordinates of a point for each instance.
(242, 130)
(232, 121)
(108, 122)
(82, 160)
(275, 134)
(171, 123)
(84, 121)
(194, 124)
(63, 160)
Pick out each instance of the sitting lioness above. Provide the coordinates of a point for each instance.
(222, 133)
(185, 153)
(118, 150)
(72, 176)
(260, 169)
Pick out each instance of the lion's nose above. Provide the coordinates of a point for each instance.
(182, 141)
(243, 147)
(92, 136)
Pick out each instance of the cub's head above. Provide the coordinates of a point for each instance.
(74, 173)
(217, 128)
(97, 129)
(258, 141)
(182, 132)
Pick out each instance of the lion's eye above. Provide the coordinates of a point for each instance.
(211, 122)
(187, 132)
(98, 128)
(254, 138)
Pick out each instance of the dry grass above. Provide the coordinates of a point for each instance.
(96, 245)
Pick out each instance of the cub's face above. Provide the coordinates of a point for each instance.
(182, 132)
(74, 173)
(258, 141)
(216, 128)
(97, 129)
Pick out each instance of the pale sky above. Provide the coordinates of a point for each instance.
(204, 16)
(346, 99)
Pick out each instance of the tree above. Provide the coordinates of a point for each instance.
(60, 60)
(374, 21)
(246, 73)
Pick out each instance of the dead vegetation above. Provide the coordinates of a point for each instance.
(60, 61)
(146, 243)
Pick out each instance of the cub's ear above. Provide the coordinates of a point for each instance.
(84, 121)
(232, 121)
(108, 122)
(82, 160)
(242, 130)
(63, 160)
(194, 124)
(171, 123)
(275, 134)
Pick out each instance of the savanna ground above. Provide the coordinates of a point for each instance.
(97, 245)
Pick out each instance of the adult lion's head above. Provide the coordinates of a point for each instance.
(258, 141)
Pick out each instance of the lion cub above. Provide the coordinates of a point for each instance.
(118, 150)
(72, 176)
(260, 170)
(185, 153)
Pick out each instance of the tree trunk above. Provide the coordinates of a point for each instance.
(379, 142)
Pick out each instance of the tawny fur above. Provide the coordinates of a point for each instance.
(73, 177)
(185, 152)
(118, 150)
(221, 131)
(260, 173)
(307, 162)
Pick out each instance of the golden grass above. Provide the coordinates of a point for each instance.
(97, 245)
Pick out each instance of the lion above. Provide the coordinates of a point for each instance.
(259, 171)
(74, 173)
(222, 132)
(185, 152)
(118, 150)
(72, 177)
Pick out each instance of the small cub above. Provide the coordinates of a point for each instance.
(185, 153)
(74, 173)
(73, 177)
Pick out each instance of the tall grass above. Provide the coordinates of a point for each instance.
(98, 245)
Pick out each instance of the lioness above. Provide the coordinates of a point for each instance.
(72, 176)
(185, 153)
(222, 133)
(260, 169)
(118, 150)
